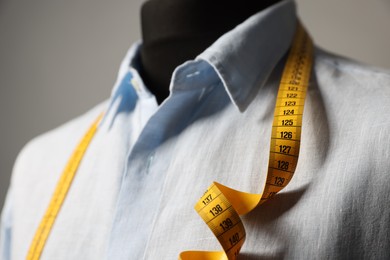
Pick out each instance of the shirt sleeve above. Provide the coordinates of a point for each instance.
(6, 228)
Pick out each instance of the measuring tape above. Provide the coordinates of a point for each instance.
(59, 194)
(220, 206)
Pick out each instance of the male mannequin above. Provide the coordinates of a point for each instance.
(175, 31)
(133, 194)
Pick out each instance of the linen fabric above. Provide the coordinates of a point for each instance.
(133, 195)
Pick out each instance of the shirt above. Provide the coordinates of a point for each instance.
(133, 195)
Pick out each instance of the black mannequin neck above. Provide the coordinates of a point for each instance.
(175, 31)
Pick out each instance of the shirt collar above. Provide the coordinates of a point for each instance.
(242, 59)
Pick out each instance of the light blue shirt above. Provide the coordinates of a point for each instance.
(133, 195)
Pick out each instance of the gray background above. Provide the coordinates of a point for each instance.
(58, 58)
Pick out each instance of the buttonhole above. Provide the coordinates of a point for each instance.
(193, 74)
(149, 162)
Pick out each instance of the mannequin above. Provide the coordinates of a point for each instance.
(175, 31)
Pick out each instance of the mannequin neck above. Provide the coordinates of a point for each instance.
(175, 31)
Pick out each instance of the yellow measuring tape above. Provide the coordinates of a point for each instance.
(59, 194)
(220, 206)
